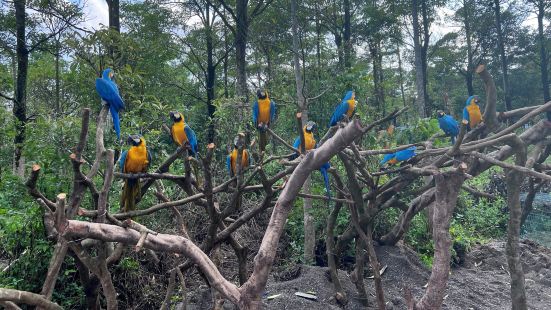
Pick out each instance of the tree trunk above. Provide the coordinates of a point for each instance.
(241, 34)
(448, 185)
(467, 5)
(543, 56)
(20, 103)
(514, 181)
(211, 77)
(57, 79)
(225, 64)
(347, 34)
(309, 229)
(419, 76)
(503, 57)
(401, 74)
(377, 58)
(114, 19)
(424, 49)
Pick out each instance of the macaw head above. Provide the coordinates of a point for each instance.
(176, 116)
(440, 113)
(472, 100)
(350, 95)
(108, 74)
(310, 126)
(261, 94)
(134, 140)
(238, 140)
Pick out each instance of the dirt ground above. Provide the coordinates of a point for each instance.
(482, 282)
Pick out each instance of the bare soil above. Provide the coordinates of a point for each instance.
(481, 282)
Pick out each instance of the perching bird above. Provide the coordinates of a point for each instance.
(471, 112)
(135, 160)
(264, 111)
(309, 144)
(109, 92)
(400, 156)
(449, 125)
(231, 159)
(346, 107)
(181, 133)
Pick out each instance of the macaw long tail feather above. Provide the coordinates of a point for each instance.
(130, 193)
(116, 120)
(326, 181)
(453, 140)
(196, 173)
(262, 139)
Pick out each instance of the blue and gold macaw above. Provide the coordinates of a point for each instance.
(471, 112)
(231, 159)
(181, 133)
(449, 125)
(346, 107)
(400, 156)
(310, 144)
(135, 160)
(264, 111)
(109, 92)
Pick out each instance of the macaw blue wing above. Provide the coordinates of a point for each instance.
(387, 157)
(228, 164)
(466, 115)
(339, 113)
(272, 110)
(109, 92)
(448, 125)
(406, 154)
(296, 145)
(149, 158)
(192, 140)
(255, 113)
(323, 170)
(122, 160)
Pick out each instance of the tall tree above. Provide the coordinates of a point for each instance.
(238, 20)
(20, 100)
(541, 9)
(502, 54)
(114, 15)
(418, 47)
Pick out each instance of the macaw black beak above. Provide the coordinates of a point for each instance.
(136, 141)
(174, 115)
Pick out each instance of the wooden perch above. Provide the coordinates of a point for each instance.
(28, 298)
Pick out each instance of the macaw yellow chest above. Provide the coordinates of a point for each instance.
(309, 141)
(351, 107)
(136, 159)
(244, 159)
(179, 133)
(475, 117)
(264, 111)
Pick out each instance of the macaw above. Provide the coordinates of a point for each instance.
(471, 112)
(135, 160)
(449, 125)
(231, 159)
(181, 133)
(346, 107)
(400, 156)
(310, 144)
(109, 92)
(264, 111)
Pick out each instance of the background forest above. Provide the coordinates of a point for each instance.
(206, 58)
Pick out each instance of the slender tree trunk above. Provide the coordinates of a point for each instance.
(225, 65)
(543, 55)
(318, 43)
(503, 57)
(114, 19)
(424, 49)
(241, 34)
(467, 6)
(211, 77)
(347, 33)
(377, 58)
(419, 76)
(309, 229)
(338, 44)
(57, 79)
(20, 104)
(401, 75)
